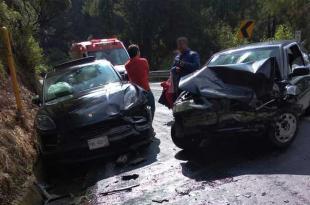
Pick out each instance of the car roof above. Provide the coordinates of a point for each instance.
(266, 44)
(75, 66)
(271, 43)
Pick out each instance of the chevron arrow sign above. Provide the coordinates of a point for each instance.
(246, 29)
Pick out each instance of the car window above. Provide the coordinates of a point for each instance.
(244, 56)
(294, 57)
(79, 79)
(305, 54)
(117, 56)
(306, 58)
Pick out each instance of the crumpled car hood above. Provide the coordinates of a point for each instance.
(238, 81)
(95, 106)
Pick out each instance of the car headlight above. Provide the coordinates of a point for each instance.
(130, 97)
(45, 123)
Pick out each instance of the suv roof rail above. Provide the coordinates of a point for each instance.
(75, 62)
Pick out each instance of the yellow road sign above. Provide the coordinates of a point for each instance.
(246, 29)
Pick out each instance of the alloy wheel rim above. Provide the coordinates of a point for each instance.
(286, 126)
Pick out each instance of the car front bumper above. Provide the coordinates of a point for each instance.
(202, 122)
(125, 134)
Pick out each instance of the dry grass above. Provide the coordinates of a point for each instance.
(17, 142)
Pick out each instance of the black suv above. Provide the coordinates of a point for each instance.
(87, 111)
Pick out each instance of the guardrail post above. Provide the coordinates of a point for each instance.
(159, 75)
(12, 69)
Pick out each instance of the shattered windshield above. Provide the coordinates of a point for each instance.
(244, 56)
(117, 56)
(77, 80)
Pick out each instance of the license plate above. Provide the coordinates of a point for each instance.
(98, 142)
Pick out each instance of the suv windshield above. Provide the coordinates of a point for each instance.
(244, 56)
(117, 56)
(78, 79)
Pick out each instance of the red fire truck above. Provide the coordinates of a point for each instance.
(110, 49)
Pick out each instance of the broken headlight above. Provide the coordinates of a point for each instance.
(130, 97)
(188, 102)
(45, 123)
(183, 106)
(291, 90)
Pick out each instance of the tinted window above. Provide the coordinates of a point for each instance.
(244, 56)
(79, 79)
(117, 56)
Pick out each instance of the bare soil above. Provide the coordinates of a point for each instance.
(17, 142)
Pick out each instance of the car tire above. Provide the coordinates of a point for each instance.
(150, 133)
(180, 140)
(47, 163)
(283, 129)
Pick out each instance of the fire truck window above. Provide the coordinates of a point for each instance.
(115, 56)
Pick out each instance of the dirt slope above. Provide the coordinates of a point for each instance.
(17, 143)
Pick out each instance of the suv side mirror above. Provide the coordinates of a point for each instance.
(36, 100)
(300, 70)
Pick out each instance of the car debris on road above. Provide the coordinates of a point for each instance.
(130, 177)
(128, 188)
(160, 201)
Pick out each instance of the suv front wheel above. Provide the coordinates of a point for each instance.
(181, 140)
(284, 129)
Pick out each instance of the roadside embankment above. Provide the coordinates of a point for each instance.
(17, 144)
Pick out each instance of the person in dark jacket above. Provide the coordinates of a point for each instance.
(186, 62)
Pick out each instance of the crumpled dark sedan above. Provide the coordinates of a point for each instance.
(231, 97)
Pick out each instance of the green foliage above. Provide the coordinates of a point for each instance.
(43, 30)
(41, 69)
(91, 7)
(34, 52)
(228, 37)
(27, 21)
(155, 25)
(293, 14)
(283, 32)
(56, 56)
(8, 17)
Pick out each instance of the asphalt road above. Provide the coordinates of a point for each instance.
(231, 171)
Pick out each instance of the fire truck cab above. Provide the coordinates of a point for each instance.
(110, 49)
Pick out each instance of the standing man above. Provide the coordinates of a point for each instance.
(186, 62)
(138, 73)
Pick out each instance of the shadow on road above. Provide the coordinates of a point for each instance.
(247, 155)
(77, 178)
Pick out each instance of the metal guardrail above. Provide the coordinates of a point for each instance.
(159, 75)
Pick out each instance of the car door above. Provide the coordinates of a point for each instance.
(303, 84)
(294, 58)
